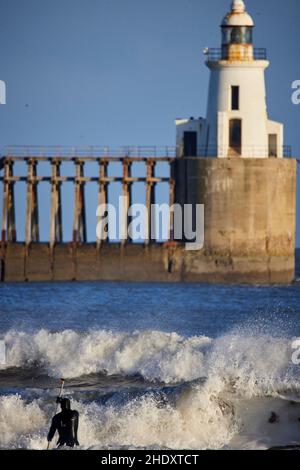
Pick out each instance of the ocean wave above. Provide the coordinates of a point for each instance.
(20, 422)
(248, 395)
(142, 422)
(249, 364)
(154, 355)
(200, 419)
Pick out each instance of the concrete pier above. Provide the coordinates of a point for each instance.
(138, 263)
(250, 213)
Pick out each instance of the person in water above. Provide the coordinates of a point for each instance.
(66, 424)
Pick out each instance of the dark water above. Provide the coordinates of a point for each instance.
(151, 365)
(187, 309)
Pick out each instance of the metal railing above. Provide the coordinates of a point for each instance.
(91, 151)
(215, 54)
(287, 151)
(139, 152)
(244, 151)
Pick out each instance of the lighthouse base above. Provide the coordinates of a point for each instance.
(250, 217)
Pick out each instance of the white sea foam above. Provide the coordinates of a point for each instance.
(200, 420)
(139, 423)
(155, 355)
(231, 408)
(19, 422)
(251, 362)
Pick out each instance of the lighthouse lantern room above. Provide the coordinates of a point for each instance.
(236, 123)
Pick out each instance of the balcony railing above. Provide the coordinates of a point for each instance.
(216, 54)
(244, 151)
(287, 151)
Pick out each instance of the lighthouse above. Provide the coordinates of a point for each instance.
(231, 161)
(237, 122)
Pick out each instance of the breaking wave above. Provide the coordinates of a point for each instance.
(236, 391)
(155, 355)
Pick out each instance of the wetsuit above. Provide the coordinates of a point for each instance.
(66, 423)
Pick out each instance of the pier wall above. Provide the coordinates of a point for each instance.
(139, 263)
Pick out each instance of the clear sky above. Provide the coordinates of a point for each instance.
(118, 72)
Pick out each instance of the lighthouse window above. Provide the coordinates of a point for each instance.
(237, 35)
(235, 98)
(226, 35)
(248, 36)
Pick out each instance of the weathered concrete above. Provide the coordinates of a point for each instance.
(250, 216)
(111, 262)
(137, 263)
(14, 262)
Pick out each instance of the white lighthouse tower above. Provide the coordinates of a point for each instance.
(237, 123)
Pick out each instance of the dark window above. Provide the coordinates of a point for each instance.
(237, 35)
(272, 145)
(235, 135)
(226, 34)
(235, 98)
(190, 144)
(249, 35)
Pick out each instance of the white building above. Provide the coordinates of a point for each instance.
(237, 121)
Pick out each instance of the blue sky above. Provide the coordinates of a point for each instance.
(118, 72)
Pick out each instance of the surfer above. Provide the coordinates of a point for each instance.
(66, 424)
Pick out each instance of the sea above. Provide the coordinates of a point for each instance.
(151, 366)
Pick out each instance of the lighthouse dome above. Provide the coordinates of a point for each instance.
(238, 15)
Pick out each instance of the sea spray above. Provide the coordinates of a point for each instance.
(141, 422)
(155, 355)
(198, 392)
(19, 421)
(250, 361)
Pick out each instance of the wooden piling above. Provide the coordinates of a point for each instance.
(8, 218)
(32, 216)
(79, 180)
(102, 192)
(126, 198)
(150, 200)
(79, 225)
(5, 204)
(56, 234)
